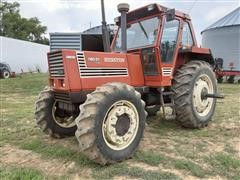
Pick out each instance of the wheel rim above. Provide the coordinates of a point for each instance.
(203, 85)
(65, 122)
(6, 74)
(120, 125)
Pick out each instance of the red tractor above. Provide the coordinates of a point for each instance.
(103, 97)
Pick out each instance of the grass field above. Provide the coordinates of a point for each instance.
(166, 152)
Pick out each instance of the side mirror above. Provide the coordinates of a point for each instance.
(170, 14)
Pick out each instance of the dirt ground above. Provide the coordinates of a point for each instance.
(167, 150)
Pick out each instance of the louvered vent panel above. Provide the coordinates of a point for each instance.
(56, 68)
(98, 71)
(60, 41)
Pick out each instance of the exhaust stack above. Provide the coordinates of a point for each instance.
(105, 32)
(123, 8)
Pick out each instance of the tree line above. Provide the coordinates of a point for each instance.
(13, 25)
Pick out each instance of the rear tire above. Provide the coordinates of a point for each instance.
(111, 123)
(45, 119)
(189, 83)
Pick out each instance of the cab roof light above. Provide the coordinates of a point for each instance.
(150, 7)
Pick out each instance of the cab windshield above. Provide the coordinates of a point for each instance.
(139, 34)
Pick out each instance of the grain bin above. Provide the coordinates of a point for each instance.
(223, 38)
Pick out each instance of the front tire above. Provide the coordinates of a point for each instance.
(191, 81)
(111, 123)
(50, 119)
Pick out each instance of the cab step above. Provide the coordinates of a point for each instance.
(171, 104)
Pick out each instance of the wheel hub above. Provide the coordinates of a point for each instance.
(203, 93)
(6, 74)
(62, 119)
(202, 86)
(120, 125)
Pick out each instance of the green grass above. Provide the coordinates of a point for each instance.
(56, 151)
(224, 164)
(20, 174)
(134, 172)
(17, 99)
(190, 166)
(26, 85)
(227, 161)
(60, 152)
(229, 149)
(227, 88)
(149, 157)
(183, 149)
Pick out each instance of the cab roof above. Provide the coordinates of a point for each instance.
(149, 10)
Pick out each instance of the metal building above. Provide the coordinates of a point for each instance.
(223, 38)
(90, 39)
(23, 55)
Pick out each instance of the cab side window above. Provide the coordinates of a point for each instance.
(169, 40)
(187, 36)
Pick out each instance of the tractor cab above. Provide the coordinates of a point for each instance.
(157, 34)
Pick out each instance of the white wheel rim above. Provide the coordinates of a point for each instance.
(66, 122)
(113, 116)
(202, 105)
(6, 74)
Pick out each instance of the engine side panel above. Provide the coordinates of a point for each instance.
(97, 68)
(75, 71)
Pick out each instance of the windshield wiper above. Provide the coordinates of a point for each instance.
(143, 29)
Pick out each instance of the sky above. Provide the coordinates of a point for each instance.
(79, 15)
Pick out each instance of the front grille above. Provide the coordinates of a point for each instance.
(56, 68)
(60, 96)
(98, 71)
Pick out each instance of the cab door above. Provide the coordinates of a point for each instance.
(169, 46)
(150, 57)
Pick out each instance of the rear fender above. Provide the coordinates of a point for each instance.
(194, 53)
